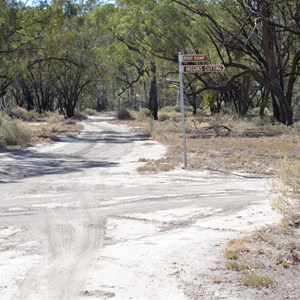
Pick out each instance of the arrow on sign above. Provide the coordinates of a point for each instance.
(203, 68)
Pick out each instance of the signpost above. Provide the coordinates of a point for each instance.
(201, 69)
(194, 57)
(180, 59)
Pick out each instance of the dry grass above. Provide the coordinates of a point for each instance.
(253, 146)
(274, 251)
(243, 245)
(13, 133)
(236, 266)
(254, 280)
(47, 132)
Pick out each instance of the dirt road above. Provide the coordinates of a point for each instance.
(78, 222)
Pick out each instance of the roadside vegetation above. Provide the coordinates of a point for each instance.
(222, 142)
(13, 133)
(251, 146)
(20, 128)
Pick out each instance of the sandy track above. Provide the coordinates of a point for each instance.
(68, 250)
(78, 222)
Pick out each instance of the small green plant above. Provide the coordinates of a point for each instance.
(234, 265)
(253, 280)
(229, 254)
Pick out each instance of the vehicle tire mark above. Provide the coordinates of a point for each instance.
(68, 249)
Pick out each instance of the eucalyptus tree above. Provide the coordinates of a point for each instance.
(17, 30)
(159, 30)
(258, 39)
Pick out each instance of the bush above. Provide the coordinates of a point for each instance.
(163, 117)
(171, 109)
(287, 189)
(23, 114)
(124, 114)
(13, 133)
(53, 117)
(142, 114)
(80, 115)
(90, 112)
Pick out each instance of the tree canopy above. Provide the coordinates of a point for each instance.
(66, 54)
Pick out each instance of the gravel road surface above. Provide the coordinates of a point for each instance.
(78, 222)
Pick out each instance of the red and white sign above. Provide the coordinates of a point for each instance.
(194, 57)
(203, 68)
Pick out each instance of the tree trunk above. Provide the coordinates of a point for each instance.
(244, 96)
(153, 103)
(264, 102)
(285, 115)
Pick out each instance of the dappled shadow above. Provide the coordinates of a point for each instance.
(109, 137)
(20, 164)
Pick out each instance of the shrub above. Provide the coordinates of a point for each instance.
(23, 114)
(90, 112)
(287, 187)
(142, 114)
(124, 114)
(13, 133)
(163, 117)
(53, 117)
(80, 115)
(171, 109)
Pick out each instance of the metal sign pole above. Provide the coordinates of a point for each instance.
(180, 59)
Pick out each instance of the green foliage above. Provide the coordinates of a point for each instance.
(209, 100)
(61, 55)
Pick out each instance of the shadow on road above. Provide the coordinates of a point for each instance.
(26, 163)
(109, 137)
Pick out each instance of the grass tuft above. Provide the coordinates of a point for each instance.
(253, 280)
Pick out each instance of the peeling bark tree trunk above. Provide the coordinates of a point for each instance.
(280, 101)
(153, 103)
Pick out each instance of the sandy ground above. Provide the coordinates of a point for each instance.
(78, 222)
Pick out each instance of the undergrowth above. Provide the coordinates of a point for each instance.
(13, 133)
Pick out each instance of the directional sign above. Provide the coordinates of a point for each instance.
(203, 68)
(194, 57)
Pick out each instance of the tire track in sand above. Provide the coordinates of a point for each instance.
(69, 248)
